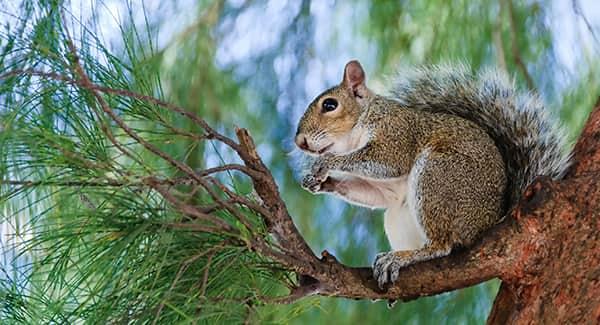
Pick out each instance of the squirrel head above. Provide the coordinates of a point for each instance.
(328, 122)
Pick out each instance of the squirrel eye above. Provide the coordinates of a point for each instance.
(329, 105)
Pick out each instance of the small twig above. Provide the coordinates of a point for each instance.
(210, 208)
(228, 167)
(248, 319)
(182, 269)
(296, 294)
(107, 183)
(236, 198)
(142, 182)
(82, 77)
(278, 220)
(87, 202)
(516, 51)
(588, 25)
(191, 210)
(194, 227)
(188, 197)
(497, 38)
(205, 275)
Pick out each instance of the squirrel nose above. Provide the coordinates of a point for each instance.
(301, 142)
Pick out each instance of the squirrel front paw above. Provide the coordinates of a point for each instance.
(387, 268)
(312, 183)
(315, 185)
(317, 179)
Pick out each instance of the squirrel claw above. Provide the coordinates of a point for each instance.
(312, 183)
(386, 268)
(315, 181)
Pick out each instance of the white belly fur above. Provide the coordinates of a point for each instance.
(401, 224)
(402, 228)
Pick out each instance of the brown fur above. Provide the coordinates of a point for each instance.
(458, 177)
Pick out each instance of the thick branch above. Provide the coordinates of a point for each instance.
(482, 262)
(586, 153)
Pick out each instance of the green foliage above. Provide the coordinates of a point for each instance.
(103, 247)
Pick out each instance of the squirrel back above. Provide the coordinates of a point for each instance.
(530, 142)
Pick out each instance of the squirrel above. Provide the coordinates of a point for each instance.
(447, 154)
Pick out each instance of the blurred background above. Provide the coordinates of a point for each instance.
(257, 64)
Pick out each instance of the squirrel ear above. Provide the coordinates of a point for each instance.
(354, 79)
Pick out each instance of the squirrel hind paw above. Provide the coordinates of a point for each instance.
(386, 268)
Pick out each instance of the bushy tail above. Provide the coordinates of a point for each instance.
(530, 142)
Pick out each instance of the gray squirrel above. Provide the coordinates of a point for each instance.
(446, 155)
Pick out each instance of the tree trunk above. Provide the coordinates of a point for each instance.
(556, 279)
